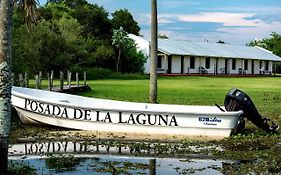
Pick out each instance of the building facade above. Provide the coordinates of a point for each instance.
(187, 57)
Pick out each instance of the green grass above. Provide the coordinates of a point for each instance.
(257, 151)
(264, 91)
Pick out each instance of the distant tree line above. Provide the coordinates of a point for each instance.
(73, 35)
(272, 44)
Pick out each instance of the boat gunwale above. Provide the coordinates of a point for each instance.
(65, 104)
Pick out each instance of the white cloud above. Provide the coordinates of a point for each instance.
(235, 28)
(227, 19)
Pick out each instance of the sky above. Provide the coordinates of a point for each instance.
(232, 21)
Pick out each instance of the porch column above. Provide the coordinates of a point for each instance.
(165, 64)
(274, 63)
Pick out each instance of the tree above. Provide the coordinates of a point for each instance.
(94, 19)
(29, 10)
(220, 42)
(163, 36)
(273, 44)
(6, 8)
(123, 18)
(153, 53)
(119, 40)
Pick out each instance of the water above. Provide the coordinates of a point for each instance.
(105, 159)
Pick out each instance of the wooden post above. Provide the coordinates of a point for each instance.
(49, 82)
(61, 80)
(37, 83)
(69, 79)
(152, 166)
(52, 78)
(77, 79)
(13, 79)
(85, 78)
(21, 81)
(40, 79)
(26, 80)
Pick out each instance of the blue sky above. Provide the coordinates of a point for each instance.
(233, 21)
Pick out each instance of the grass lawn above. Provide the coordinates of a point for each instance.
(257, 151)
(264, 91)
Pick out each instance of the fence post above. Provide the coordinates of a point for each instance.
(40, 79)
(52, 78)
(85, 78)
(77, 79)
(61, 80)
(26, 80)
(37, 82)
(21, 81)
(13, 78)
(69, 79)
(49, 82)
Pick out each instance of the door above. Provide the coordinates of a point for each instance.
(169, 64)
(226, 66)
(253, 67)
(182, 64)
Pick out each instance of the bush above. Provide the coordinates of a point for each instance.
(101, 73)
(20, 168)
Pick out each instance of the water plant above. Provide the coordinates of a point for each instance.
(62, 163)
(20, 168)
(120, 167)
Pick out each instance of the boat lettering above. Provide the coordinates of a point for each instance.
(134, 118)
(209, 120)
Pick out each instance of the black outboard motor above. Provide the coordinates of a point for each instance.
(237, 100)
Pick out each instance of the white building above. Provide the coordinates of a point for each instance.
(187, 57)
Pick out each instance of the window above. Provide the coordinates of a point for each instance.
(207, 63)
(245, 64)
(266, 65)
(192, 62)
(159, 61)
(233, 64)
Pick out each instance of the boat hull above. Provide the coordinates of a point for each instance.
(69, 111)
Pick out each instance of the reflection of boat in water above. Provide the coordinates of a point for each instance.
(90, 158)
(76, 112)
(170, 149)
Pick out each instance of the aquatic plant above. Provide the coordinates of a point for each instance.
(20, 168)
(116, 167)
(62, 163)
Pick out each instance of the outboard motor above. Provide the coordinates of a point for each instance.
(237, 100)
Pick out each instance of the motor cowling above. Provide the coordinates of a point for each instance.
(236, 100)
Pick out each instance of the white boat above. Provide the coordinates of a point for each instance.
(84, 113)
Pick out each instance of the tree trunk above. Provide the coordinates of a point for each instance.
(153, 53)
(118, 60)
(5, 79)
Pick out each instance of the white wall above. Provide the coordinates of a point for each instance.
(176, 65)
(143, 46)
(186, 64)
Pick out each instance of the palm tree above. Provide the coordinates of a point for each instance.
(153, 54)
(6, 8)
(119, 40)
(6, 11)
(29, 10)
